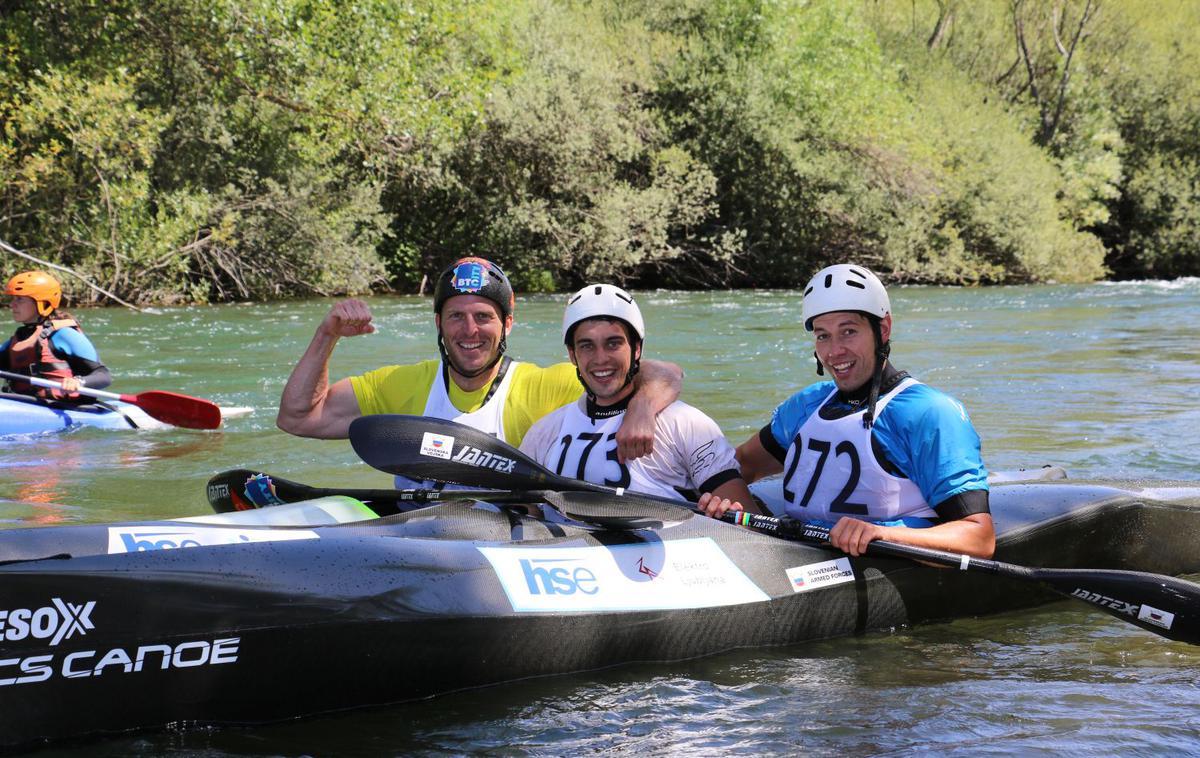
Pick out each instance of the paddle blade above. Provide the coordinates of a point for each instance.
(423, 447)
(244, 490)
(226, 491)
(1164, 605)
(177, 410)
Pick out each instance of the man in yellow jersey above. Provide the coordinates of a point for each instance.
(473, 383)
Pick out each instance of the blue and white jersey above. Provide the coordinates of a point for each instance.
(930, 452)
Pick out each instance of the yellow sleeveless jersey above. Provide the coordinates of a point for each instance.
(535, 392)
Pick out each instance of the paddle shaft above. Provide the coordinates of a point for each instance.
(222, 487)
(37, 381)
(168, 407)
(1165, 605)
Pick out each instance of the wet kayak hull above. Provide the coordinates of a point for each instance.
(305, 608)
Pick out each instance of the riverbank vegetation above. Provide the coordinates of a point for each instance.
(187, 151)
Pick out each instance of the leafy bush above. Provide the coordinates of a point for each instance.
(179, 150)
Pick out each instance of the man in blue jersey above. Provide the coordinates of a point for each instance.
(874, 451)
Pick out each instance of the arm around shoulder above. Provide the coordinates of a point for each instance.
(658, 385)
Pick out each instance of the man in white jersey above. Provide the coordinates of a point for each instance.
(873, 452)
(603, 331)
(474, 383)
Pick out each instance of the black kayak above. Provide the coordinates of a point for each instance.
(318, 606)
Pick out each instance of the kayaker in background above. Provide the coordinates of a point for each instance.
(874, 450)
(603, 331)
(473, 383)
(49, 343)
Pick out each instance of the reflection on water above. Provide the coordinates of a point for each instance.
(112, 475)
(1103, 380)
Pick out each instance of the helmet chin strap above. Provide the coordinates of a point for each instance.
(882, 351)
(472, 374)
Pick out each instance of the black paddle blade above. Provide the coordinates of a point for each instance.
(226, 491)
(423, 447)
(616, 512)
(244, 490)
(1164, 605)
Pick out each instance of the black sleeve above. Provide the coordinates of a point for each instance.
(771, 445)
(716, 480)
(962, 505)
(93, 375)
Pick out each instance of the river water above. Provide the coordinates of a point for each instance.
(1101, 379)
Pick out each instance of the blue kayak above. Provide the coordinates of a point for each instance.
(22, 414)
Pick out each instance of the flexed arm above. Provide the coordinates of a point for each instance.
(309, 405)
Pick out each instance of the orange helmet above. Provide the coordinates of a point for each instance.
(43, 288)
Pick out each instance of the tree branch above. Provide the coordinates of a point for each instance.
(10, 249)
(944, 21)
(1049, 129)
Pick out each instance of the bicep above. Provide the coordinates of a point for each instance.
(942, 452)
(334, 414)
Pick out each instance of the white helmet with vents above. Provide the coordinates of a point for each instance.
(602, 301)
(844, 287)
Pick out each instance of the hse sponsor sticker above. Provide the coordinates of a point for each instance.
(129, 539)
(692, 573)
(437, 445)
(817, 575)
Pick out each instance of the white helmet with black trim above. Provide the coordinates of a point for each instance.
(602, 301)
(844, 287)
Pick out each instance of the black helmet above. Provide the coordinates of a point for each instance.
(474, 276)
